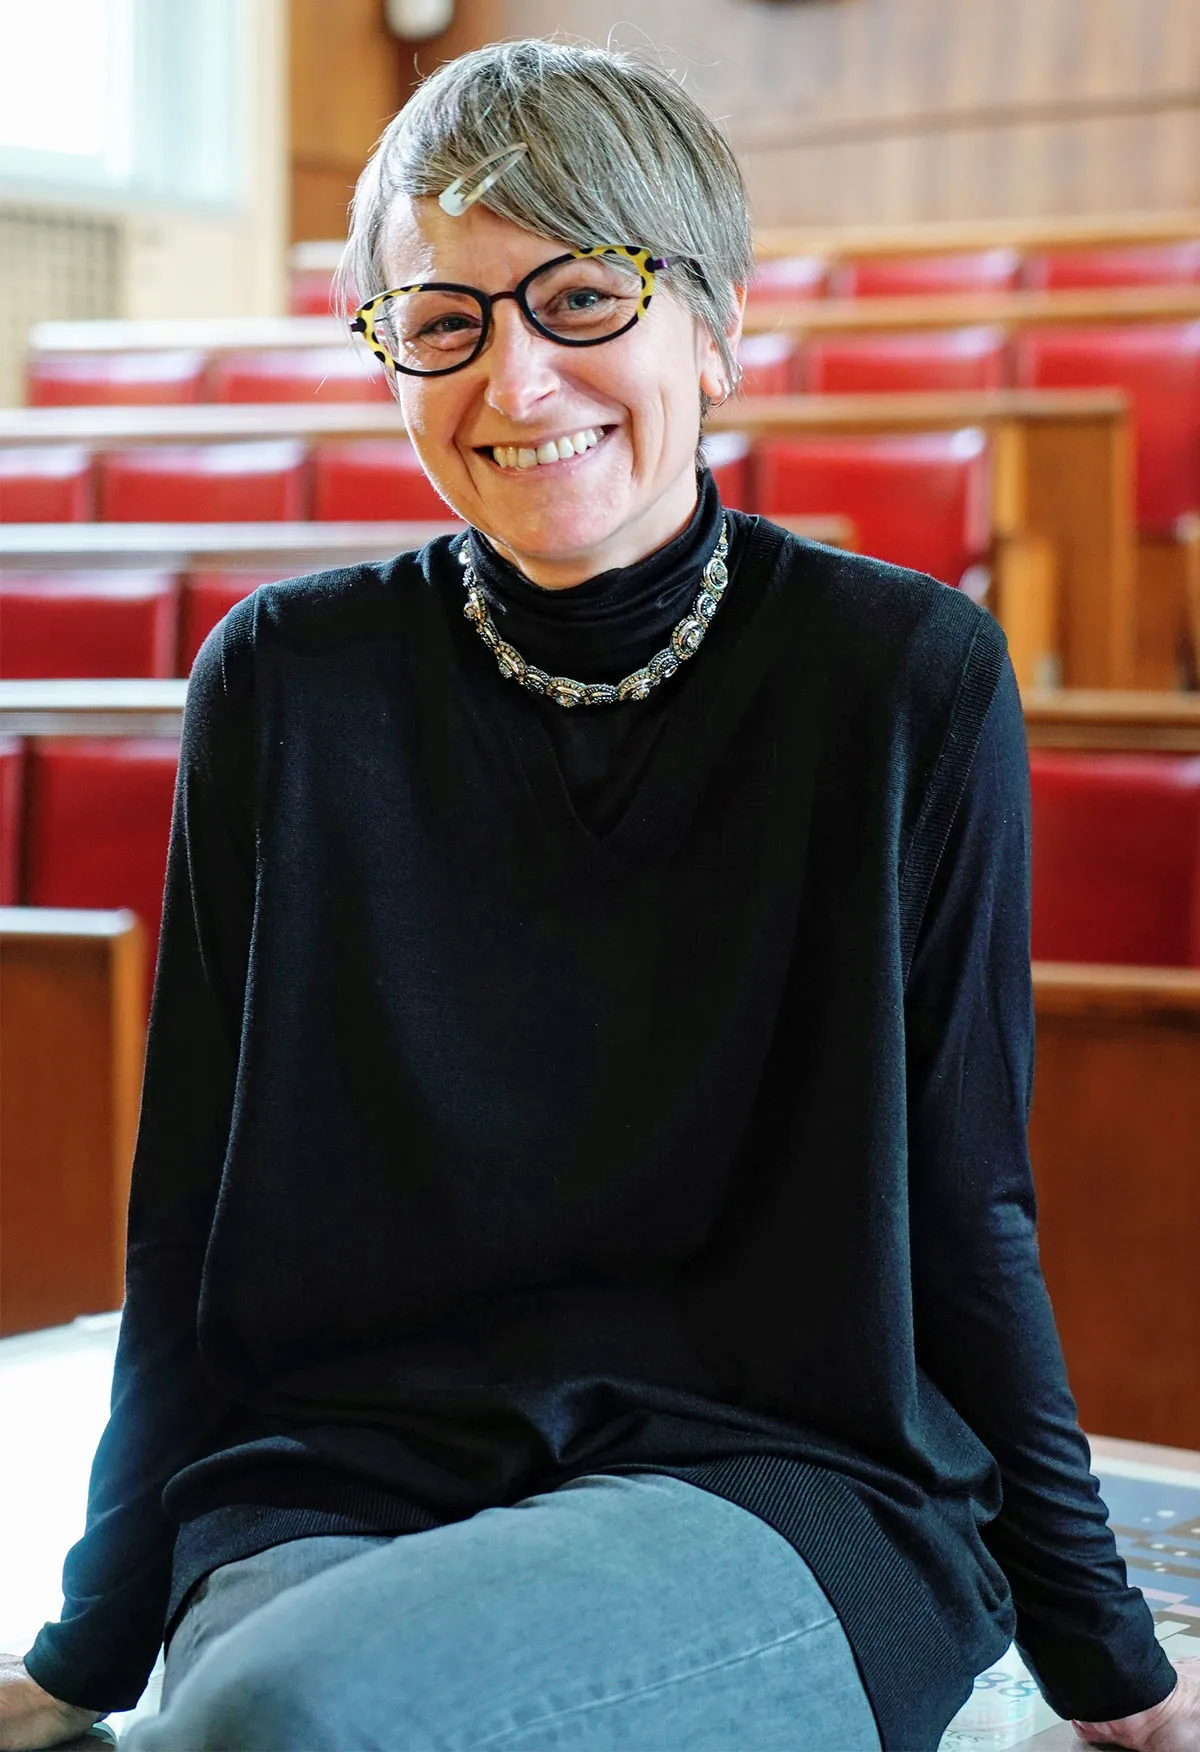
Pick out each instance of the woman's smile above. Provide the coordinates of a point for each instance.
(531, 454)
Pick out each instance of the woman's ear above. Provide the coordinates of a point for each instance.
(713, 379)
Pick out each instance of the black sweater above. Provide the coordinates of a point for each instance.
(534, 1092)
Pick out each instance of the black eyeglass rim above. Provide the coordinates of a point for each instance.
(487, 301)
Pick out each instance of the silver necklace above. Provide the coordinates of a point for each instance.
(684, 642)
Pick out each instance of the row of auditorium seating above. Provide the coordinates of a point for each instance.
(1156, 364)
(919, 499)
(127, 624)
(982, 270)
(1116, 841)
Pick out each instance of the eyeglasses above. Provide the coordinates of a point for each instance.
(581, 299)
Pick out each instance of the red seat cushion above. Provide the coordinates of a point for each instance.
(362, 480)
(202, 483)
(919, 500)
(1141, 264)
(729, 456)
(1158, 365)
(207, 597)
(88, 623)
(46, 483)
(310, 292)
(770, 364)
(132, 379)
(1116, 858)
(12, 777)
(787, 279)
(966, 358)
(980, 270)
(98, 818)
(301, 375)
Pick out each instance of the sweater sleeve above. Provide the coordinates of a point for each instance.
(985, 1330)
(164, 1411)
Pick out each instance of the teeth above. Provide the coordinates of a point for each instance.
(553, 450)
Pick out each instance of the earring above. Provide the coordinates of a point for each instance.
(724, 397)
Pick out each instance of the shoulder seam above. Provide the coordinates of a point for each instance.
(977, 684)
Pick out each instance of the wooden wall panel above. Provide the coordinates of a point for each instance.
(896, 111)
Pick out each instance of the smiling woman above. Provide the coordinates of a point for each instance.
(582, 1285)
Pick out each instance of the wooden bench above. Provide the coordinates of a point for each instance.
(1114, 1142)
(1087, 230)
(72, 1041)
(1062, 514)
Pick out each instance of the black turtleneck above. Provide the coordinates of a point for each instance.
(483, 1147)
(602, 630)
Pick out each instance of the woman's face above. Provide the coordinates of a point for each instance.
(559, 522)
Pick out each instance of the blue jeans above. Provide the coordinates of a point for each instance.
(630, 1613)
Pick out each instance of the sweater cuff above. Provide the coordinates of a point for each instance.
(74, 1678)
(1102, 1684)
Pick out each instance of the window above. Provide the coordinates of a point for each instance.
(139, 99)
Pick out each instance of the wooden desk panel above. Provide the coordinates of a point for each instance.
(72, 1040)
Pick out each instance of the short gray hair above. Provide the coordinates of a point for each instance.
(618, 152)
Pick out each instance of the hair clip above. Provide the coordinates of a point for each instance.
(454, 200)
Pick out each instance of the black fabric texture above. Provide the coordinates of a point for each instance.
(532, 1093)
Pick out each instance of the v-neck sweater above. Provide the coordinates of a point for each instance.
(485, 1143)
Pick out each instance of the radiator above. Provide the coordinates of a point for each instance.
(53, 264)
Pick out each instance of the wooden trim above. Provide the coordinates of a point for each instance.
(1094, 718)
(1069, 232)
(917, 125)
(1144, 1453)
(294, 547)
(1064, 988)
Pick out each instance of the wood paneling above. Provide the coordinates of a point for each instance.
(894, 111)
(1113, 1137)
(348, 78)
(72, 1037)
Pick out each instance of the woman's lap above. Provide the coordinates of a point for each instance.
(631, 1613)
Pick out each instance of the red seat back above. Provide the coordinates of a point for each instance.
(299, 375)
(920, 500)
(770, 364)
(1141, 264)
(949, 359)
(202, 483)
(46, 483)
(12, 778)
(364, 480)
(1158, 365)
(979, 270)
(1116, 858)
(131, 379)
(787, 280)
(98, 818)
(310, 291)
(729, 456)
(207, 597)
(88, 623)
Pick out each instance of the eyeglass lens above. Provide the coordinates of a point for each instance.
(578, 302)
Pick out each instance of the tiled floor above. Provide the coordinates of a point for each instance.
(54, 1403)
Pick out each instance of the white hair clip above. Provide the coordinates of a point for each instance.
(456, 199)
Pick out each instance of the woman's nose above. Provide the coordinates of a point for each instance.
(520, 364)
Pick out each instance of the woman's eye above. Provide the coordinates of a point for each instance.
(448, 325)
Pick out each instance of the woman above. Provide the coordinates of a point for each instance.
(582, 1277)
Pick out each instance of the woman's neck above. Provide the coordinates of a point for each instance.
(662, 522)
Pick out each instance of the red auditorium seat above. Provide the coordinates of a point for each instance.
(202, 483)
(919, 500)
(207, 596)
(787, 279)
(132, 379)
(310, 292)
(362, 480)
(728, 455)
(1143, 264)
(982, 270)
(770, 364)
(47, 483)
(88, 623)
(1116, 858)
(12, 772)
(305, 374)
(948, 359)
(1158, 365)
(97, 821)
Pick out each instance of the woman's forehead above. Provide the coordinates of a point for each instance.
(420, 241)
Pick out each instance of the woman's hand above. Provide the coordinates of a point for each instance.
(29, 1717)
(1171, 1726)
